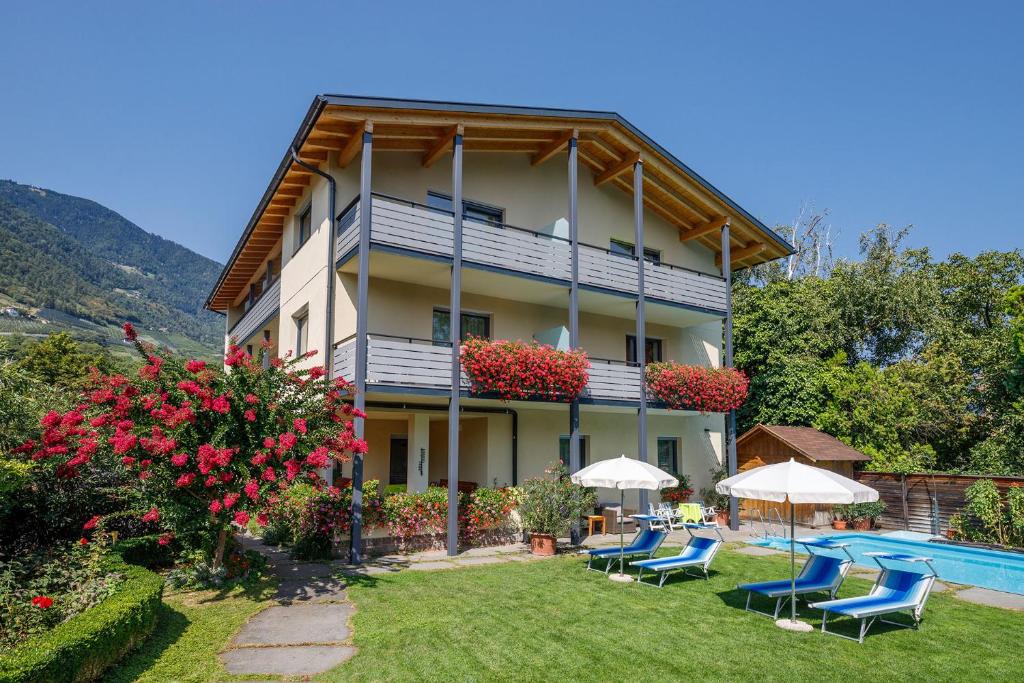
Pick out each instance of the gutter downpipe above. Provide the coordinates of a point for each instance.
(329, 321)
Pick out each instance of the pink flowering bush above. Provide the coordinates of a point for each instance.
(203, 447)
(520, 371)
(692, 387)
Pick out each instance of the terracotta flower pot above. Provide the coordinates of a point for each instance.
(542, 544)
(861, 524)
(722, 518)
(839, 524)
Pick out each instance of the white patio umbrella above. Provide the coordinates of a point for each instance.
(623, 473)
(797, 483)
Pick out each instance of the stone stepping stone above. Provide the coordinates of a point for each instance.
(429, 566)
(296, 625)
(991, 598)
(313, 591)
(286, 661)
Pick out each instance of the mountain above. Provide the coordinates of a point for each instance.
(68, 262)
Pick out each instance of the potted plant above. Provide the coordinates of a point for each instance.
(549, 507)
(863, 515)
(839, 517)
(719, 501)
(678, 494)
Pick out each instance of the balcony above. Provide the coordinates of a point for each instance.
(407, 227)
(262, 310)
(421, 364)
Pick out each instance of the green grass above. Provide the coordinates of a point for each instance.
(193, 627)
(552, 621)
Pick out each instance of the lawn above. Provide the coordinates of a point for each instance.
(551, 620)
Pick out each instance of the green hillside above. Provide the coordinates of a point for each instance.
(70, 263)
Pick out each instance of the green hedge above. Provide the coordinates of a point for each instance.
(145, 551)
(83, 647)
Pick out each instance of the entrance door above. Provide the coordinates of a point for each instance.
(399, 460)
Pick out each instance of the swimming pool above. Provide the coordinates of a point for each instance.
(998, 570)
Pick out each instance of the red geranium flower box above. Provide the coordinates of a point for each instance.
(524, 371)
(693, 387)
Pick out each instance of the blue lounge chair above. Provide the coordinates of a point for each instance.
(698, 552)
(821, 574)
(895, 590)
(646, 543)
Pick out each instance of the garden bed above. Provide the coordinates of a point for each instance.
(83, 647)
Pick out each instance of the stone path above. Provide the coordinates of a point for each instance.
(306, 633)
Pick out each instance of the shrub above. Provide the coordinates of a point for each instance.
(520, 371)
(411, 514)
(487, 509)
(693, 387)
(151, 551)
(81, 648)
(550, 505)
(857, 511)
(986, 519)
(201, 447)
(710, 496)
(680, 493)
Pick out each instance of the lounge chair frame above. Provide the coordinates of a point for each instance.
(916, 611)
(615, 556)
(703, 566)
(781, 600)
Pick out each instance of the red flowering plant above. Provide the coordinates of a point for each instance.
(520, 371)
(204, 446)
(692, 387)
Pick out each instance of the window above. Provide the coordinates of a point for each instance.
(668, 454)
(303, 228)
(474, 211)
(398, 460)
(628, 249)
(301, 334)
(653, 347)
(473, 325)
(563, 450)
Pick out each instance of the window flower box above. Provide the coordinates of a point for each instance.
(692, 387)
(524, 371)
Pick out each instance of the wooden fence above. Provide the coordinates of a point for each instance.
(924, 502)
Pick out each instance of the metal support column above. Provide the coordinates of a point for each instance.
(641, 323)
(362, 323)
(455, 329)
(574, 312)
(730, 418)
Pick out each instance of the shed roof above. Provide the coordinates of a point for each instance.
(808, 442)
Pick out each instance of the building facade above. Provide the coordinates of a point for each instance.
(389, 220)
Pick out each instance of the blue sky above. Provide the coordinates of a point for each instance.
(176, 114)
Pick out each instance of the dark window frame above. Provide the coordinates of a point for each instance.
(486, 317)
(563, 450)
(656, 343)
(306, 215)
(301, 325)
(487, 212)
(624, 248)
(675, 453)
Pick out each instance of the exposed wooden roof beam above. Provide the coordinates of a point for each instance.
(354, 144)
(704, 228)
(742, 253)
(554, 147)
(442, 145)
(617, 169)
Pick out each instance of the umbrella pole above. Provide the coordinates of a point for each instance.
(792, 562)
(622, 520)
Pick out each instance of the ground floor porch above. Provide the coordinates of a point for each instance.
(503, 444)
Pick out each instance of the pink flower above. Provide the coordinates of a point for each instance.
(195, 366)
(230, 499)
(83, 541)
(220, 405)
(252, 489)
(300, 425)
(251, 399)
(241, 517)
(127, 461)
(287, 440)
(42, 602)
(93, 521)
(165, 539)
(152, 516)
(185, 480)
(262, 519)
(250, 416)
(179, 459)
(215, 506)
(129, 332)
(268, 442)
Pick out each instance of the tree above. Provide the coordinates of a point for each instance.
(202, 447)
(58, 361)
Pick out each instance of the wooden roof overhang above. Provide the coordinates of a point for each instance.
(608, 144)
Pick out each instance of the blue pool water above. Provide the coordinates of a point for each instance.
(998, 570)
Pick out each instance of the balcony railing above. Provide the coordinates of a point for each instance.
(401, 224)
(404, 362)
(263, 309)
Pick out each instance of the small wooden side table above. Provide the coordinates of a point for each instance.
(593, 521)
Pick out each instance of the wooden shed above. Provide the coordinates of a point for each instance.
(769, 444)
